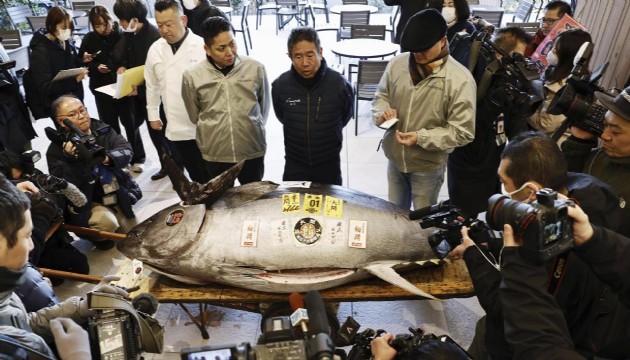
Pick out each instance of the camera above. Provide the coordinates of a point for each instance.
(576, 100)
(278, 340)
(544, 225)
(87, 148)
(506, 82)
(404, 344)
(450, 220)
(121, 331)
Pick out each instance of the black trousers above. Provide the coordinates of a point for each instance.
(190, 156)
(252, 171)
(158, 137)
(110, 110)
(328, 172)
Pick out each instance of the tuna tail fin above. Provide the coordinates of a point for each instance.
(384, 271)
(192, 192)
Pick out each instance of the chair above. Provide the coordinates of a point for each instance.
(360, 31)
(290, 9)
(370, 73)
(18, 15)
(10, 39)
(523, 10)
(320, 6)
(37, 22)
(355, 2)
(82, 23)
(349, 18)
(262, 5)
(530, 27)
(223, 4)
(245, 27)
(493, 17)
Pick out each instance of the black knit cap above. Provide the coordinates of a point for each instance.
(423, 30)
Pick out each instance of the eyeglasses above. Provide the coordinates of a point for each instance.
(548, 21)
(75, 114)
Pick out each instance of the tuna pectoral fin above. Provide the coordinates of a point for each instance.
(194, 193)
(384, 271)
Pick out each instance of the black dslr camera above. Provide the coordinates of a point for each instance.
(576, 100)
(278, 340)
(404, 344)
(87, 148)
(120, 330)
(450, 220)
(544, 225)
(506, 82)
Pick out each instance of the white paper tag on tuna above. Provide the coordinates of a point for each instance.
(280, 231)
(295, 184)
(336, 231)
(388, 123)
(357, 237)
(249, 236)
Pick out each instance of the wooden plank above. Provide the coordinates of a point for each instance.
(446, 281)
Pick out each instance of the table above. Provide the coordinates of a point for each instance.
(364, 48)
(226, 9)
(449, 280)
(337, 9)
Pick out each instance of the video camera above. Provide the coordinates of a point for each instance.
(120, 330)
(87, 148)
(278, 340)
(404, 344)
(506, 81)
(576, 100)
(544, 225)
(450, 220)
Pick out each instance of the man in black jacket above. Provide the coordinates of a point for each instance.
(530, 162)
(313, 102)
(131, 51)
(535, 325)
(109, 189)
(197, 11)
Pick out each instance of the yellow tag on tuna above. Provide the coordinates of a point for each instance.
(312, 204)
(290, 203)
(333, 207)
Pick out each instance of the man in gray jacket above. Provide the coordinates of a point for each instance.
(227, 98)
(433, 97)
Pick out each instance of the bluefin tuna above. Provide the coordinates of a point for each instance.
(278, 238)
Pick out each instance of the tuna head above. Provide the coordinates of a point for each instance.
(169, 233)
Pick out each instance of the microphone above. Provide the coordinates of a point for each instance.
(422, 212)
(300, 315)
(584, 53)
(53, 184)
(320, 346)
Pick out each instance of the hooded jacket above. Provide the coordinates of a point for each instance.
(230, 111)
(92, 43)
(47, 57)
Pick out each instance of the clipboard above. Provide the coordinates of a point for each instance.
(124, 83)
(68, 73)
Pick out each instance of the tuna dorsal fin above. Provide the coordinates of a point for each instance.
(384, 271)
(192, 192)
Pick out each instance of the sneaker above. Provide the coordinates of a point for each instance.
(137, 168)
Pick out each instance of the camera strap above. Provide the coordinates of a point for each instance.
(557, 273)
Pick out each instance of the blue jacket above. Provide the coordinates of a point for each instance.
(313, 119)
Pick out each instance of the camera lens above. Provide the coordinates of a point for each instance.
(503, 210)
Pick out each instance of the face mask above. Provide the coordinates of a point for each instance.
(511, 194)
(131, 27)
(64, 34)
(552, 59)
(190, 4)
(449, 15)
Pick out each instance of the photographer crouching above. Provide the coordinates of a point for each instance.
(534, 323)
(25, 334)
(529, 163)
(92, 156)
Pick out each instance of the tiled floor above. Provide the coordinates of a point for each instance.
(363, 169)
